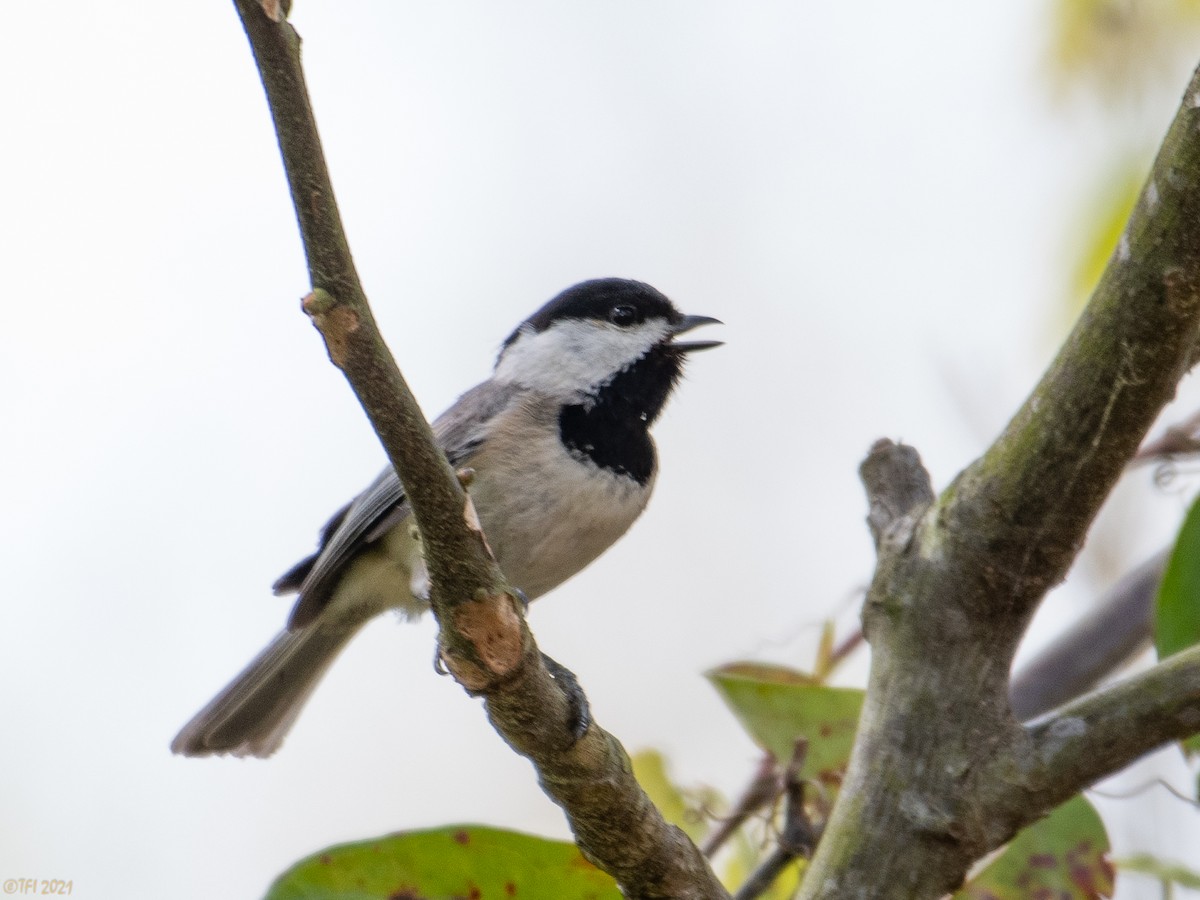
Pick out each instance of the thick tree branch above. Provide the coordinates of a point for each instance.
(1105, 731)
(922, 799)
(1121, 624)
(1026, 505)
(484, 639)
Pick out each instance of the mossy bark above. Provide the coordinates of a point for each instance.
(942, 772)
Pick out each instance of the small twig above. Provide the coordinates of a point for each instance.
(762, 790)
(796, 840)
(1145, 786)
(1182, 439)
(849, 644)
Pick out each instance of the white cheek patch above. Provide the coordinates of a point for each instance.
(572, 358)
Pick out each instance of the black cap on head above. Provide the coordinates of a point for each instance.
(618, 300)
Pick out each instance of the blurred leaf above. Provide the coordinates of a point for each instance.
(1160, 869)
(824, 664)
(1065, 855)
(1102, 225)
(1118, 47)
(447, 864)
(1177, 607)
(650, 769)
(788, 882)
(738, 868)
(777, 705)
(1088, 35)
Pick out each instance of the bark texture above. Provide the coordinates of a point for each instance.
(942, 771)
(483, 638)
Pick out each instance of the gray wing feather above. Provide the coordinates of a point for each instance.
(381, 507)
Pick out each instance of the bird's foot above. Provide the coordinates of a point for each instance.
(580, 716)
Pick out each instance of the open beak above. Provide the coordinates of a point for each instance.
(687, 324)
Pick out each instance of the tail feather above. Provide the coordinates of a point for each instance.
(252, 715)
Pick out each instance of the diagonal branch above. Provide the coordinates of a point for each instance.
(1105, 731)
(930, 784)
(1028, 502)
(339, 309)
(1118, 627)
(483, 637)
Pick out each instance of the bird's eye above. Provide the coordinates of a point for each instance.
(622, 315)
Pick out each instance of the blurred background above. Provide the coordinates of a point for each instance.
(895, 209)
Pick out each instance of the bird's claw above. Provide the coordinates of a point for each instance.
(579, 718)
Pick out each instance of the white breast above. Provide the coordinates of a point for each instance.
(546, 513)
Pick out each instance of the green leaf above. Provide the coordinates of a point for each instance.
(447, 864)
(1160, 869)
(1117, 50)
(777, 706)
(1065, 855)
(1102, 224)
(1177, 607)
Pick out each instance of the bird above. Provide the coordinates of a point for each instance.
(558, 443)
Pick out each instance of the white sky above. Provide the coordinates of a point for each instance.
(873, 196)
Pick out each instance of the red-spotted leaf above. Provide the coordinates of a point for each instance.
(777, 706)
(1064, 856)
(447, 864)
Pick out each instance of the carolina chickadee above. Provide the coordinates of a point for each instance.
(564, 463)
